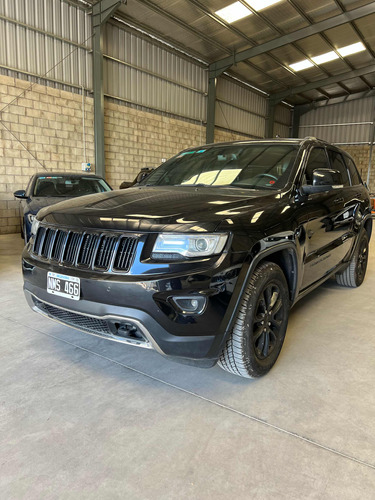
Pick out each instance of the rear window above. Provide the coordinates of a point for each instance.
(354, 175)
(64, 186)
(337, 163)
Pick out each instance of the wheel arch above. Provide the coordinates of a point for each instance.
(368, 226)
(285, 256)
(286, 259)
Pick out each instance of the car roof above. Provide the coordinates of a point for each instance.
(67, 174)
(275, 140)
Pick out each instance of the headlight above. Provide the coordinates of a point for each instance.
(30, 218)
(34, 226)
(173, 246)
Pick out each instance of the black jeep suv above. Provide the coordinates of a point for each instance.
(203, 261)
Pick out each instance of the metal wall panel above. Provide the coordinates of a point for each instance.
(44, 37)
(240, 109)
(149, 75)
(344, 123)
(53, 37)
(283, 121)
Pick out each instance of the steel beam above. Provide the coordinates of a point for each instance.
(298, 111)
(101, 12)
(325, 81)
(211, 105)
(319, 103)
(371, 141)
(270, 118)
(327, 24)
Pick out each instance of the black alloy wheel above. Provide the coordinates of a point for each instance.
(268, 320)
(354, 275)
(256, 339)
(362, 260)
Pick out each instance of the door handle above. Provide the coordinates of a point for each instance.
(338, 200)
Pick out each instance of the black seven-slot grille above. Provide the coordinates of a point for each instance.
(85, 250)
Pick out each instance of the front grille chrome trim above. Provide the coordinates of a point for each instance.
(103, 251)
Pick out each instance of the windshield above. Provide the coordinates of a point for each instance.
(254, 166)
(65, 186)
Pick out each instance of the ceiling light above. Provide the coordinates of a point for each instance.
(261, 4)
(351, 49)
(233, 12)
(298, 66)
(323, 58)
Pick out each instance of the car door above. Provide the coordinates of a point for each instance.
(324, 231)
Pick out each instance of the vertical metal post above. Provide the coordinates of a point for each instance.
(372, 139)
(270, 118)
(296, 121)
(101, 12)
(298, 111)
(213, 75)
(211, 104)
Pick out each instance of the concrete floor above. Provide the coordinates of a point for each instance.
(83, 417)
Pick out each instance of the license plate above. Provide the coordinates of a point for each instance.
(64, 286)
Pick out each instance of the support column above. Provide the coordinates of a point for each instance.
(270, 118)
(211, 104)
(101, 12)
(371, 141)
(213, 75)
(298, 111)
(296, 121)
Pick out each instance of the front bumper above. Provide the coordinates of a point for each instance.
(137, 310)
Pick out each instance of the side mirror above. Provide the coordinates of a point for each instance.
(21, 193)
(125, 185)
(323, 180)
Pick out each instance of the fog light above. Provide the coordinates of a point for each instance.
(190, 305)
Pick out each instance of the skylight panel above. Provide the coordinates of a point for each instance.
(299, 66)
(323, 58)
(233, 12)
(348, 50)
(261, 4)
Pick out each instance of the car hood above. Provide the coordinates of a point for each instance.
(35, 204)
(157, 208)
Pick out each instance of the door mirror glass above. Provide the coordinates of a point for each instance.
(323, 179)
(21, 193)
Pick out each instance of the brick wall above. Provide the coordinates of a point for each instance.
(49, 122)
(360, 155)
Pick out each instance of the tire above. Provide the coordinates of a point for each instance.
(245, 353)
(354, 274)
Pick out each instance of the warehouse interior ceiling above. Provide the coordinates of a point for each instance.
(320, 35)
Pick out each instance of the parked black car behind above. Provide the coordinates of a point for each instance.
(46, 188)
(204, 260)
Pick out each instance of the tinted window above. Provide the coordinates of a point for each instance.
(66, 186)
(337, 163)
(354, 175)
(317, 159)
(253, 166)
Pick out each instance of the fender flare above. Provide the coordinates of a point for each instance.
(364, 219)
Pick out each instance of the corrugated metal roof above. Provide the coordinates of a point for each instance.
(193, 25)
(196, 27)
